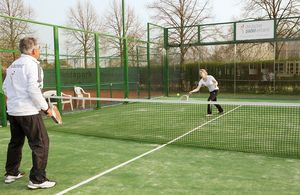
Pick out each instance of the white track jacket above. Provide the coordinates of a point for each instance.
(22, 86)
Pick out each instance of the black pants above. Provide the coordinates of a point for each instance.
(213, 97)
(34, 129)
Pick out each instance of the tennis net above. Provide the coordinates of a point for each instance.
(265, 128)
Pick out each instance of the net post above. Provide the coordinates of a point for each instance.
(2, 101)
(97, 62)
(148, 61)
(138, 89)
(57, 67)
(110, 90)
(126, 84)
(166, 62)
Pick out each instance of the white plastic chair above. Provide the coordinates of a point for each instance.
(79, 92)
(48, 94)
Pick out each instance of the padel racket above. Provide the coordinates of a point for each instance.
(185, 98)
(56, 117)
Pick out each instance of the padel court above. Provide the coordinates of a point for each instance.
(164, 145)
(171, 147)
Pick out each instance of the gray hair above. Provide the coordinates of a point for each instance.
(27, 44)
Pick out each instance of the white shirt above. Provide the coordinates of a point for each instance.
(22, 86)
(209, 83)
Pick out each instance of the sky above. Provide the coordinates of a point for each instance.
(55, 11)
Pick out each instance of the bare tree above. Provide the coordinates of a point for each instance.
(244, 52)
(113, 24)
(280, 9)
(179, 14)
(82, 16)
(12, 30)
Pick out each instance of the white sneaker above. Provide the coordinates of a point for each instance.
(45, 185)
(209, 115)
(11, 178)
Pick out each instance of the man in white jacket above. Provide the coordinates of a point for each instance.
(22, 86)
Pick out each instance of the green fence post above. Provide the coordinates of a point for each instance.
(166, 63)
(2, 101)
(275, 55)
(97, 62)
(234, 59)
(137, 57)
(138, 69)
(148, 61)
(199, 34)
(57, 67)
(126, 84)
(123, 19)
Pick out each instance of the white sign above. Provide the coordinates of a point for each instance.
(255, 30)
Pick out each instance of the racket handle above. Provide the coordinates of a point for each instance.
(46, 111)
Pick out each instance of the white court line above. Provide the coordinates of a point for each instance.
(141, 156)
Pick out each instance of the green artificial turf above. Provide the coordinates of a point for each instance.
(93, 141)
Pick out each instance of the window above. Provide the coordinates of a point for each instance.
(252, 67)
(290, 68)
(279, 68)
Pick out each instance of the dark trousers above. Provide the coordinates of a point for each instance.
(213, 97)
(34, 129)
